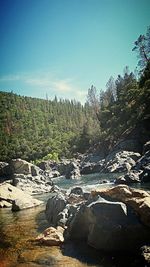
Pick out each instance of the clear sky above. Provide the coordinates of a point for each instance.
(62, 47)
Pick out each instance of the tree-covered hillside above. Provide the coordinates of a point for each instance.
(32, 128)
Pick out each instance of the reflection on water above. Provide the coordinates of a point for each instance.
(19, 229)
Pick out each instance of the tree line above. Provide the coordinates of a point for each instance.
(126, 100)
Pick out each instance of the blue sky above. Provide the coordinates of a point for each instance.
(62, 47)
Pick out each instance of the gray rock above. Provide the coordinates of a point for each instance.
(129, 178)
(44, 165)
(69, 168)
(27, 177)
(80, 225)
(74, 198)
(140, 171)
(88, 168)
(32, 184)
(73, 171)
(136, 199)
(63, 166)
(61, 207)
(120, 162)
(132, 177)
(20, 166)
(54, 206)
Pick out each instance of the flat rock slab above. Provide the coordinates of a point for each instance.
(12, 196)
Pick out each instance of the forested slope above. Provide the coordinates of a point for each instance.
(31, 128)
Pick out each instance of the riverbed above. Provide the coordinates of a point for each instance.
(19, 229)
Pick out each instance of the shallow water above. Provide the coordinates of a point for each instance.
(19, 229)
(18, 248)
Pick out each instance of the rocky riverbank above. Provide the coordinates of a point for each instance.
(19, 180)
(114, 219)
(135, 166)
(33, 179)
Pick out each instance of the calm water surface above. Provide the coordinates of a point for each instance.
(19, 229)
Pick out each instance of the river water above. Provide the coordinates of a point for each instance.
(19, 229)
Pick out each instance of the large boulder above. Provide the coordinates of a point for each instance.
(49, 167)
(11, 196)
(91, 163)
(91, 167)
(137, 199)
(69, 168)
(113, 219)
(20, 166)
(117, 218)
(121, 161)
(73, 171)
(108, 226)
